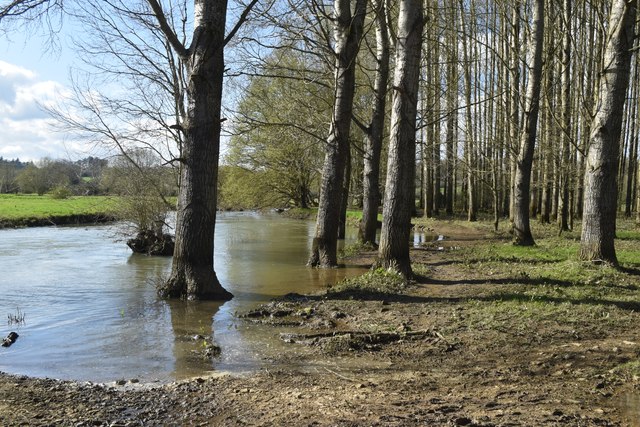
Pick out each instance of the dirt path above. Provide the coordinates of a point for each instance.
(441, 353)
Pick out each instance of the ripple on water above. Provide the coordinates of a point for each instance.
(91, 310)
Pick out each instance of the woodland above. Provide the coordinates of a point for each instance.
(523, 109)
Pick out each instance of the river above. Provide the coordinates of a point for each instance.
(91, 312)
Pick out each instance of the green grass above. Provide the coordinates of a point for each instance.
(371, 283)
(546, 286)
(16, 207)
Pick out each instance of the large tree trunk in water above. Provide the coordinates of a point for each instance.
(192, 274)
(347, 32)
(600, 198)
(524, 161)
(373, 139)
(399, 197)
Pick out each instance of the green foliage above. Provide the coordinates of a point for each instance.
(281, 130)
(32, 180)
(46, 175)
(240, 188)
(60, 192)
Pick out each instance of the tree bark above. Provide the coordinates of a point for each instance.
(514, 110)
(192, 274)
(600, 198)
(469, 143)
(452, 105)
(374, 136)
(347, 33)
(344, 201)
(521, 226)
(399, 198)
(565, 169)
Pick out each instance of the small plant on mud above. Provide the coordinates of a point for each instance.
(378, 281)
(17, 318)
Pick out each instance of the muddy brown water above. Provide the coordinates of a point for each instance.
(91, 312)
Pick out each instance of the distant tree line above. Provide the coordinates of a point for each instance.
(87, 176)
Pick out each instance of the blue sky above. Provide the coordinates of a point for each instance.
(32, 75)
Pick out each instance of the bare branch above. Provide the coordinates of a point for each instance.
(241, 20)
(177, 45)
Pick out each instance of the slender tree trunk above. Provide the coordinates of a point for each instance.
(600, 199)
(399, 198)
(521, 226)
(347, 33)
(547, 176)
(452, 104)
(515, 102)
(633, 141)
(374, 136)
(565, 167)
(344, 202)
(437, 106)
(469, 142)
(192, 274)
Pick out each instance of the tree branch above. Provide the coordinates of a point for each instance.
(241, 20)
(177, 45)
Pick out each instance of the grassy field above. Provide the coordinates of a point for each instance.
(19, 207)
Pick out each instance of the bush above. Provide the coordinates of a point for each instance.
(60, 192)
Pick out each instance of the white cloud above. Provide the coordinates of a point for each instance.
(26, 130)
(15, 72)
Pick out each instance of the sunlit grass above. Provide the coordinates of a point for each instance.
(28, 206)
(378, 281)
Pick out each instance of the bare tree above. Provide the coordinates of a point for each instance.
(192, 273)
(374, 132)
(565, 166)
(521, 226)
(347, 34)
(399, 196)
(600, 183)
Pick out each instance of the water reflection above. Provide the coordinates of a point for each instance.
(92, 312)
(192, 322)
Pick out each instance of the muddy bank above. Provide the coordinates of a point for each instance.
(475, 341)
(54, 220)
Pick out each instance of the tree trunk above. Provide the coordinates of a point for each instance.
(344, 202)
(347, 33)
(452, 105)
(373, 139)
(521, 226)
(192, 273)
(600, 198)
(399, 197)
(470, 135)
(514, 113)
(565, 169)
